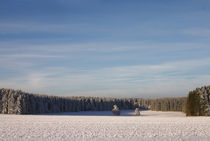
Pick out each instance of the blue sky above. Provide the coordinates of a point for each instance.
(118, 48)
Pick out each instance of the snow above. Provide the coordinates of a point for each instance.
(94, 126)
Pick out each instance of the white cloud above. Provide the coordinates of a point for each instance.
(99, 47)
(138, 80)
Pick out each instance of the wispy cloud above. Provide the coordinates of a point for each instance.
(18, 27)
(15, 27)
(140, 80)
(100, 47)
(203, 32)
(16, 56)
(22, 62)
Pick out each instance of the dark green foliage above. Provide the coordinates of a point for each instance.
(198, 102)
(193, 104)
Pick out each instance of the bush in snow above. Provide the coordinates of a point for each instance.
(116, 110)
(137, 113)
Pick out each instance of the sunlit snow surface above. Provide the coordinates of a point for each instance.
(103, 126)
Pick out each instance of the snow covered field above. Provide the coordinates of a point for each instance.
(103, 126)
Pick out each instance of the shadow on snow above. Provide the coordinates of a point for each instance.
(92, 113)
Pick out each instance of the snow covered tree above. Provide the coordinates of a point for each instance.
(137, 112)
(116, 110)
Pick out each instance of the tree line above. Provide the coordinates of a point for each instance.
(19, 102)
